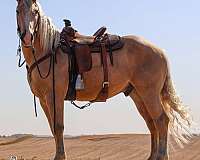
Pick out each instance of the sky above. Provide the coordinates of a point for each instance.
(171, 25)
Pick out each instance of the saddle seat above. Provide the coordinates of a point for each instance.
(82, 39)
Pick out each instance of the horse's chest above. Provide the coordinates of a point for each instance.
(38, 86)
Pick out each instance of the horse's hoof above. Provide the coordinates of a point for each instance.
(60, 157)
(152, 158)
(162, 158)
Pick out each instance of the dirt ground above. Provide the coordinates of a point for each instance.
(102, 147)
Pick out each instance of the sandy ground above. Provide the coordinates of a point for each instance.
(104, 147)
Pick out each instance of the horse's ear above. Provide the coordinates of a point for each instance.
(34, 1)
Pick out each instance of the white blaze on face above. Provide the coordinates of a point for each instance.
(31, 26)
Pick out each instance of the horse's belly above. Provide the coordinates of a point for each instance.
(93, 80)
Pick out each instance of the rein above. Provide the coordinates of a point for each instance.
(19, 53)
(36, 65)
(51, 55)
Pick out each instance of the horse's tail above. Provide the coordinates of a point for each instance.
(179, 116)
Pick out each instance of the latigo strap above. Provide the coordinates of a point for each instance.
(103, 94)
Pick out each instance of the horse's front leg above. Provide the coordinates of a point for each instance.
(58, 124)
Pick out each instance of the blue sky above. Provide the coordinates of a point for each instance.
(171, 25)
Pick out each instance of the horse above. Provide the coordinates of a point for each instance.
(139, 63)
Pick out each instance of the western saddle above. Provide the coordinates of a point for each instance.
(80, 49)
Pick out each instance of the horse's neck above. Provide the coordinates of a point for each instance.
(38, 52)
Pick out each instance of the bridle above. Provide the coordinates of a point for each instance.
(36, 28)
(31, 46)
(21, 36)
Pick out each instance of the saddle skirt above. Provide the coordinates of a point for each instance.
(84, 50)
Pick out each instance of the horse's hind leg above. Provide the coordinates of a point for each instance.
(161, 121)
(162, 125)
(149, 121)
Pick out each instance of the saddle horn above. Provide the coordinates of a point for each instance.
(67, 22)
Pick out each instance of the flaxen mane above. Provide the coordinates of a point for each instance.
(49, 34)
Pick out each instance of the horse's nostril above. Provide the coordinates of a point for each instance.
(17, 12)
(21, 34)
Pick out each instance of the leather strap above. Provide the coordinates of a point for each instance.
(129, 88)
(103, 94)
(32, 67)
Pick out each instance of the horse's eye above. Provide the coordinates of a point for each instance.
(35, 12)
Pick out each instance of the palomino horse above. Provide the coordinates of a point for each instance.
(138, 63)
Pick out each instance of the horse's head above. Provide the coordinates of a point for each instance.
(27, 20)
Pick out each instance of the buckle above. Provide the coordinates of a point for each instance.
(105, 83)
